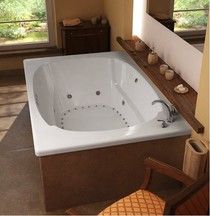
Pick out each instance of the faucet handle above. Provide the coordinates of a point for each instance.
(173, 110)
(164, 124)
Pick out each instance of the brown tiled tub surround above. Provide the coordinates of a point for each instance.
(110, 173)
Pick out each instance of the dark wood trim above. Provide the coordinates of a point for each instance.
(193, 37)
(184, 103)
(15, 72)
(198, 40)
(165, 169)
(30, 52)
(147, 178)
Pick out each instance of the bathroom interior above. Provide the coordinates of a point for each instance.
(104, 107)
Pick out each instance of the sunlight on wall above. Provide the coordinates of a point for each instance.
(202, 107)
(120, 15)
(138, 15)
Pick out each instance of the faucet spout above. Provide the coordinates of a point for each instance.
(170, 110)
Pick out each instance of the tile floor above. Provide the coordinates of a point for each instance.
(13, 97)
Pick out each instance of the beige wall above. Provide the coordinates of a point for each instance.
(62, 9)
(76, 8)
(119, 14)
(202, 108)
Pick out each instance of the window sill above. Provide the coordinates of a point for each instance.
(193, 37)
(31, 52)
(195, 40)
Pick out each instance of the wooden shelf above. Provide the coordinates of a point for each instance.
(184, 103)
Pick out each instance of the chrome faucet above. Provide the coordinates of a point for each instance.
(170, 110)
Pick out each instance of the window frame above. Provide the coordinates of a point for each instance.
(36, 45)
(190, 33)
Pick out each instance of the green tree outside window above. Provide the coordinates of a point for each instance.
(191, 20)
(12, 31)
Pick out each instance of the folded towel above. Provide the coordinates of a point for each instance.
(71, 22)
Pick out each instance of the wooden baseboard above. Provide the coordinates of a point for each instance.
(15, 72)
(31, 52)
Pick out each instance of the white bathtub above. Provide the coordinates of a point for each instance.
(92, 101)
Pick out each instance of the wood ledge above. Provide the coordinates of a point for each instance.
(184, 103)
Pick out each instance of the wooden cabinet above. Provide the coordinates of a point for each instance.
(85, 38)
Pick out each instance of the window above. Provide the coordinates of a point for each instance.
(191, 16)
(24, 24)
